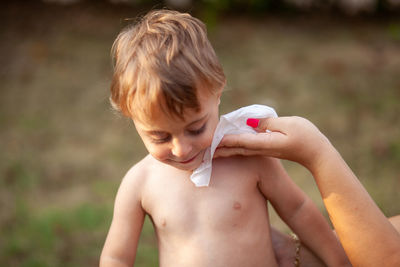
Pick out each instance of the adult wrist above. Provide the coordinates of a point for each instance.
(323, 153)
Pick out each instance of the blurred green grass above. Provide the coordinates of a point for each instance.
(64, 151)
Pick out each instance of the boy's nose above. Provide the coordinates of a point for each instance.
(181, 148)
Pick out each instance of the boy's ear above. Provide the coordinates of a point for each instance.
(219, 94)
(219, 97)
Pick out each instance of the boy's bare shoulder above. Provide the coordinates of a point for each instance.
(136, 178)
(267, 169)
(141, 171)
(256, 165)
(253, 162)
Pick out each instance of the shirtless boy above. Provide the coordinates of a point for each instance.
(168, 80)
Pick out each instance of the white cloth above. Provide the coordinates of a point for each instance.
(231, 123)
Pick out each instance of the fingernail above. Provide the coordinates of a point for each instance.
(252, 122)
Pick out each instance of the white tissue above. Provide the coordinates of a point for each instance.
(231, 123)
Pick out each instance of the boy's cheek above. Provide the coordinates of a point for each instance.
(162, 157)
(158, 156)
(155, 151)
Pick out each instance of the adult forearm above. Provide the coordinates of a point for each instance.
(365, 233)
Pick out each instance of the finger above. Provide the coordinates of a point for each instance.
(257, 141)
(272, 124)
(246, 140)
(228, 152)
(261, 125)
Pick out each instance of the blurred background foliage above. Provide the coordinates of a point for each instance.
(64, 151)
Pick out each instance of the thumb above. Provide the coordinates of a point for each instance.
(264, 124)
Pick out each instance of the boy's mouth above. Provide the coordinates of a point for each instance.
(189, 160)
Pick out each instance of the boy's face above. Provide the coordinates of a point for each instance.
(181, 143)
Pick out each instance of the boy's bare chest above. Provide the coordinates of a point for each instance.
(231, 201)
(224, 224)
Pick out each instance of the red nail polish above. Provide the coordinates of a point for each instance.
(252, 122)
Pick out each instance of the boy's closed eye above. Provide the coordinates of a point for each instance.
(159, 137)
(160, 140)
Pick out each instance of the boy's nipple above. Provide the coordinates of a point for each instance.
(237, 205)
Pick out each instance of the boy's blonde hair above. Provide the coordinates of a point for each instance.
(161, 62)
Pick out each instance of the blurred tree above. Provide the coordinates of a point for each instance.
(210, 8)
(179, 4)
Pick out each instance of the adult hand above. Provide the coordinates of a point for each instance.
(291, 138)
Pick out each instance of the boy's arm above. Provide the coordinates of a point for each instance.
(123, 237)
(300, 213)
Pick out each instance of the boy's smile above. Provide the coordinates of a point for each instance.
(181, 143)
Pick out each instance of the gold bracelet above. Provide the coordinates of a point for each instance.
(297, 243)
